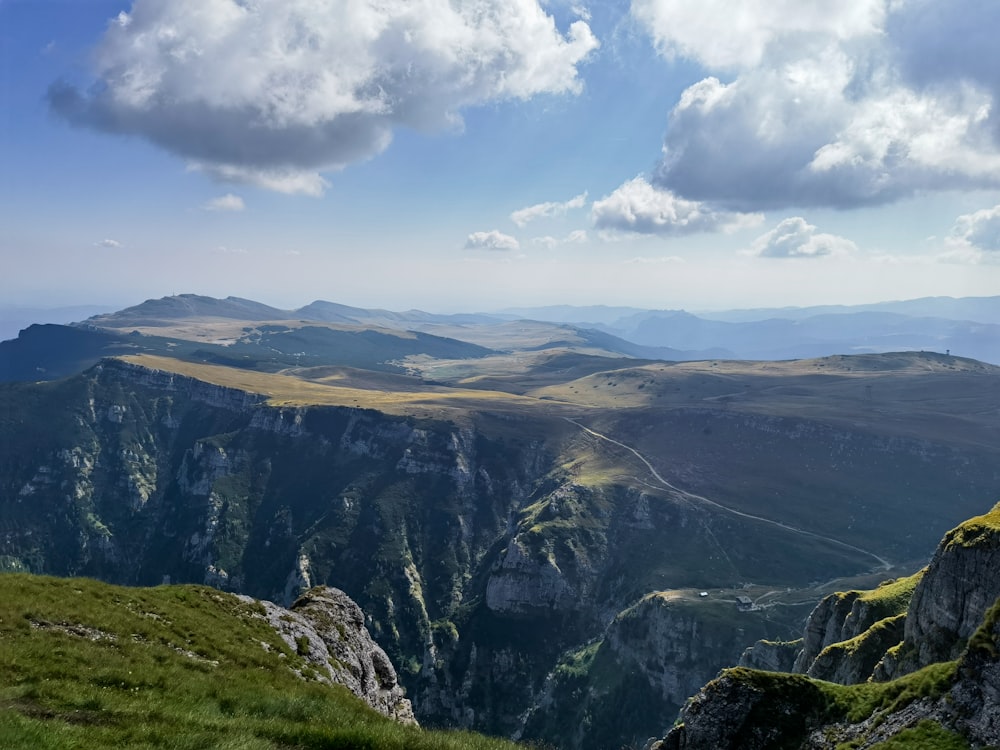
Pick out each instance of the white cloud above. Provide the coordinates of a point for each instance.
(641, 208)
(108, 243)
(274, 92)
(721, 34)
(524, 215)
(576, 237)
(796, 238)
(548, 241)
(224, 250)
(975, 237)
(227, 202)
(492, 240)
(831, 104)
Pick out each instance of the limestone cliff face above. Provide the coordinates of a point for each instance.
(848, 633)
(675, 644)
(327, 629)
(854, 660)
(140, 476)
(771, 656)
(826, 625)
(948, 605)
(953, 612)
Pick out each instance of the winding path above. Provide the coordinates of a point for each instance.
(883, 563)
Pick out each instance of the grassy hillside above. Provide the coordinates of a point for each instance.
(88, 665)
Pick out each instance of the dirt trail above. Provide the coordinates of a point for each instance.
(883, 563)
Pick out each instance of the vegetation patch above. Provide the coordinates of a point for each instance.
(972, 532)
(927, 735)
(88, 665)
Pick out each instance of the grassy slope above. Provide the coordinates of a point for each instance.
(88, 665)
(290, 390)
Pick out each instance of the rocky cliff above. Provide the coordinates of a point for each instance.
(914, 694)
(327, 629)
(650, 658)
(493, 551)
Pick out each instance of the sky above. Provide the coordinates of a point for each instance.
(472, 155)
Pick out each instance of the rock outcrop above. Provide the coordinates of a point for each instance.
(771, 656)
(960, 585)
(953, 613)
(847, 634)
(326, 628)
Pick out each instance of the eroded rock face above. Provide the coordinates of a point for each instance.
(854, 660)
(327, 629)
(954, 612)
(824, 627)
(975, 698)
(771, 656)
(726, 714)
(950, 602)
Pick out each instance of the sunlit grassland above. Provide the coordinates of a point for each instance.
(89, 665)
(288, 390)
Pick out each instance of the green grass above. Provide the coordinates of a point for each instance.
(972, 532)
(893, 597)
(89, 665)
(927, 735)
(795, 703)
(858, 702)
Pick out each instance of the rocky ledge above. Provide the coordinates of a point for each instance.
(327, 629)
(937, 684)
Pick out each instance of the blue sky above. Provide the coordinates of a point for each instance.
(480, 154)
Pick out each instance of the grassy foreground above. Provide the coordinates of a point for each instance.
(88, 665)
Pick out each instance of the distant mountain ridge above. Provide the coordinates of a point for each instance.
(968, 326)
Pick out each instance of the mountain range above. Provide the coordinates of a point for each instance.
(552, 537)
(968, 327)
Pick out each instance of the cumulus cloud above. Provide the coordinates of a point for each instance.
(108, 243)
(274, 92)
(227, 202)
(796, 238)
(977, 231)
(576, 237)
(828, 104)
(492, 240)
(721, 34)
(639, 207)
(540, 210)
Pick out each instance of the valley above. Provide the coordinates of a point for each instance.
(525, 516)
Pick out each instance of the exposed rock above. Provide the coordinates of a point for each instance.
(771, 656)
(327, 628)
(960, 584)
(527, 581)
(956, 608)
(735, 712)
(854, 660)
(848, 633)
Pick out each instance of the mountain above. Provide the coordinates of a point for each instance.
(918, 659)
(156, 311)
(515, 543)
(979, 309)
(46, 352)
(13, 318)
(812, 336)
(246, 334)
(968, 326)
